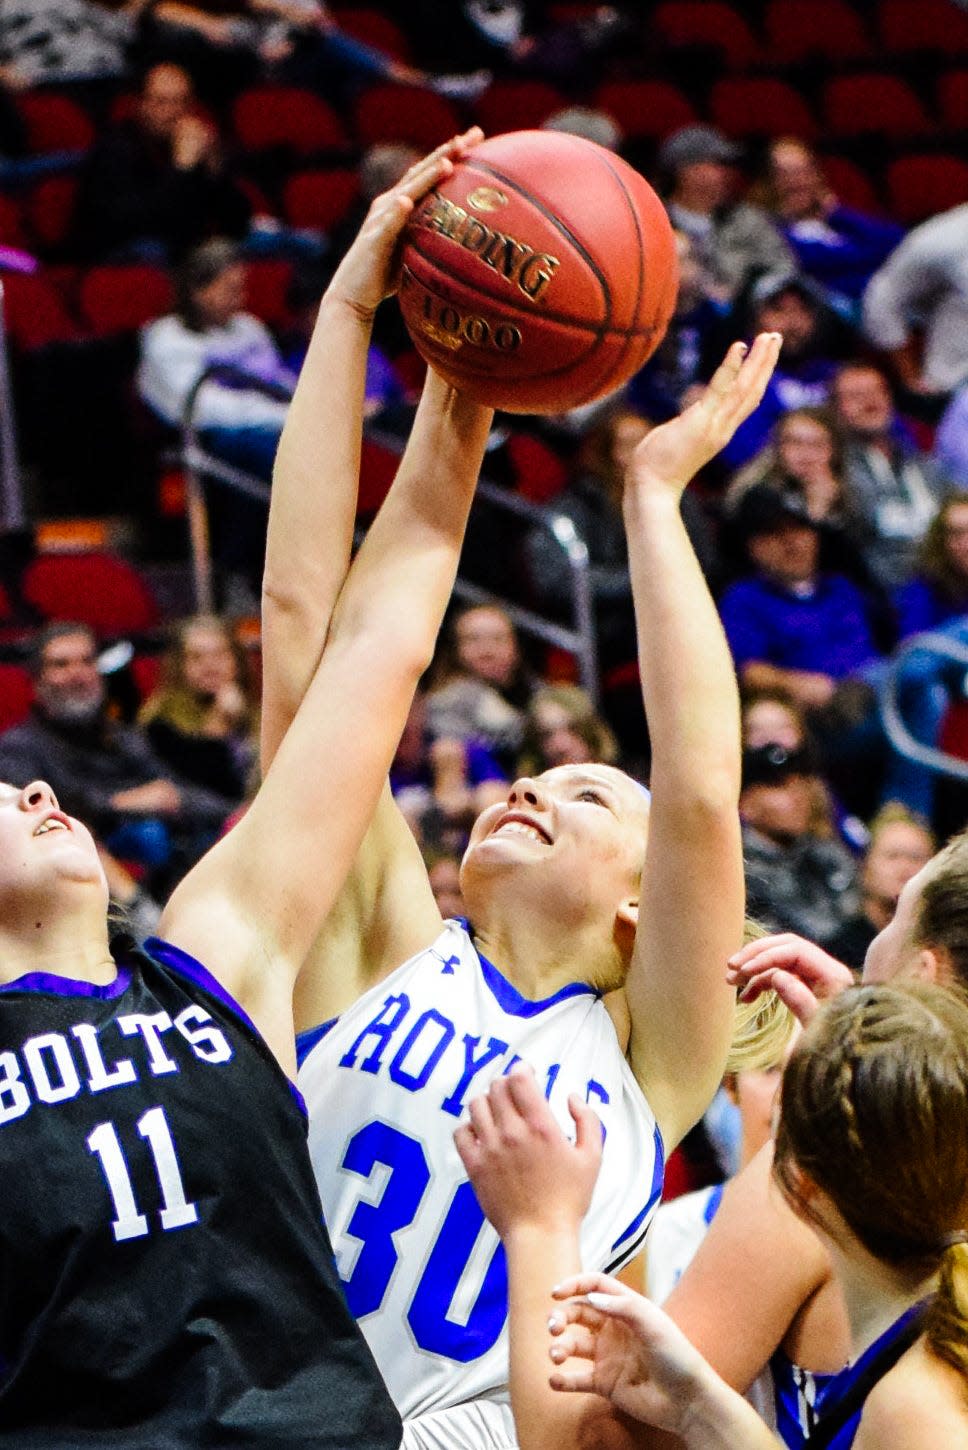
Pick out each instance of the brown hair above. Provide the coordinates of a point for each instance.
(934, 561)
(874, 1112)
(941, 917)
(583, 718)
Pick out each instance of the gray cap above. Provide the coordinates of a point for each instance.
(774, 284)
(692, 144)
(594, 125)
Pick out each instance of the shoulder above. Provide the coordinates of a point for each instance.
(921, 1402)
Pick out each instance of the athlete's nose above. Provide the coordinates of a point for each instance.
(38, 796)
(528, 792)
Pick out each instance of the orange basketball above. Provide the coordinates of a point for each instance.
(541, 274)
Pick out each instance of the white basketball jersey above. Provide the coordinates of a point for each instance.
(386, 1085)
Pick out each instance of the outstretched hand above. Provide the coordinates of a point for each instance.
(801, 973)
(524, 1170)
(369, 270)
(674, 453)
(623, 1347)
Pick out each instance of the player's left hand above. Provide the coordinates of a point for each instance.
(673, 453)
(622, 1346)
(368, 271)
(524, 1170)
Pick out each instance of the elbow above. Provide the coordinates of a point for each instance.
(705, 799)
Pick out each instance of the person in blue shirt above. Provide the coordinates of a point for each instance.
(837, 246)
(789, 624)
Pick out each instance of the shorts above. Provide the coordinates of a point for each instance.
(476, 1425)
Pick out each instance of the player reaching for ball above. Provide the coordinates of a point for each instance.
(165, 1279)
(578, 886)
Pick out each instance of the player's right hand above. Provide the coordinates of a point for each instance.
(801, 973)
(369, 271)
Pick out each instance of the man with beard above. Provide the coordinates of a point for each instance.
(100, 769)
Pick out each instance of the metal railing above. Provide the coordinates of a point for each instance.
(891, 688)
(12, 513)
(200, 464)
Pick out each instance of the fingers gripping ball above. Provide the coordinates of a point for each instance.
(540, 274)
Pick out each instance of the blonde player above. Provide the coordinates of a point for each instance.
(601, 918)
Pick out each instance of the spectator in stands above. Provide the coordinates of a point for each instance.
(45, 42)
(734, 240)
(201, 720)
(894, 488)
(796, 879)
(937, 594)
(923, 287)
(211, 327)
(790, 304)
(773, 717)
(685, 353)
(441, 784)
(838, 247)
(515, 37)
(105, 772)
(590, 123)
(157, 183)
(951, 439)
(900, 844)
(443, 873)
(789, 624)
(564, 728)
(483, 687)
(805, 457)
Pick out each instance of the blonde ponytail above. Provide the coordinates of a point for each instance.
(762, 1030)
(946, 1327)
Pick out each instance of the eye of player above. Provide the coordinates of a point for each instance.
(590, 793)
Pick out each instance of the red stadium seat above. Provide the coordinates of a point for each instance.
(539, 474)
(797, 30)
(35, 312)
(124, 297)
(646, 108)
(378, 468)
(95, 588)
(760, 106)
(373, 28)
(953, 99)
(16, 695)
(708, 24)
(285, 116)
(49, 211)
(922, 186)
(850, 184)
(917, 25)
(319, 199)
(267, 283)
(873, 104)
(11, 224)
(55, 123)
(517, 106)
(404, 113)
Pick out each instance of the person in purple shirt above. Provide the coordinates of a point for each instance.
(839, 247)
(790, 625)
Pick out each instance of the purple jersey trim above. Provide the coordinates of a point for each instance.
(186, 966)
(59, 986)
(510, 1000)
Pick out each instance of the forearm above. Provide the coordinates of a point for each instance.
(545, 1419)
(404, 573)
(720, 1419)
(311, 516)
(688, 681)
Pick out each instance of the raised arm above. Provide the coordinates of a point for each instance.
(316, 474)
(691, 905)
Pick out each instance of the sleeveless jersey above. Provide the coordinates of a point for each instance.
(804, 1399)
(386, 1085)
(165, 1279)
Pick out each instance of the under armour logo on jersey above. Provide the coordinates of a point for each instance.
(449, 965)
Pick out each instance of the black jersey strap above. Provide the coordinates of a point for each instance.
(829, 1423)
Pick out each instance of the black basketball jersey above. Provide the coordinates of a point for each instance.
(166, 1282)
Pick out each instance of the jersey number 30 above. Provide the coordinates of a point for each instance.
(374, 1225)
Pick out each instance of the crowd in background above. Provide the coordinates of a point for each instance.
(833, 530)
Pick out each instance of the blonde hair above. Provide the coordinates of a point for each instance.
(874, 1112)
(174, 701)
(762, 1030)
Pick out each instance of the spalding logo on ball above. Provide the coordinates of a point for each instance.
(541, 274)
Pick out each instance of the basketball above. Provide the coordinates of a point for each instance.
(540, 275)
